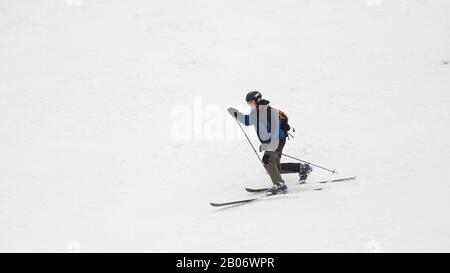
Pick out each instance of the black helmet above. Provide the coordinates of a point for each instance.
(254, 95)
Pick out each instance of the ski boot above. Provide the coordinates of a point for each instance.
(277, 188)
(305, 169)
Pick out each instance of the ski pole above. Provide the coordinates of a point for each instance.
(235, 117)
(333, 171)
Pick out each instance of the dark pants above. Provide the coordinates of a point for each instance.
(287, 167)
(273, 166)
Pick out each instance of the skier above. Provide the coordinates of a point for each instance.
(271, 128)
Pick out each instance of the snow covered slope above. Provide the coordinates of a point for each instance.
(114, 134)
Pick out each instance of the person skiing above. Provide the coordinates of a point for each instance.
(271, 128)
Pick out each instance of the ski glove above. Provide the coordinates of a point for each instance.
(233, 111)
(263, 147)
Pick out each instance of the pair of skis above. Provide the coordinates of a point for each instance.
(258, 190)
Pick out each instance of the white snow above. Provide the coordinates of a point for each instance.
(114, 134)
